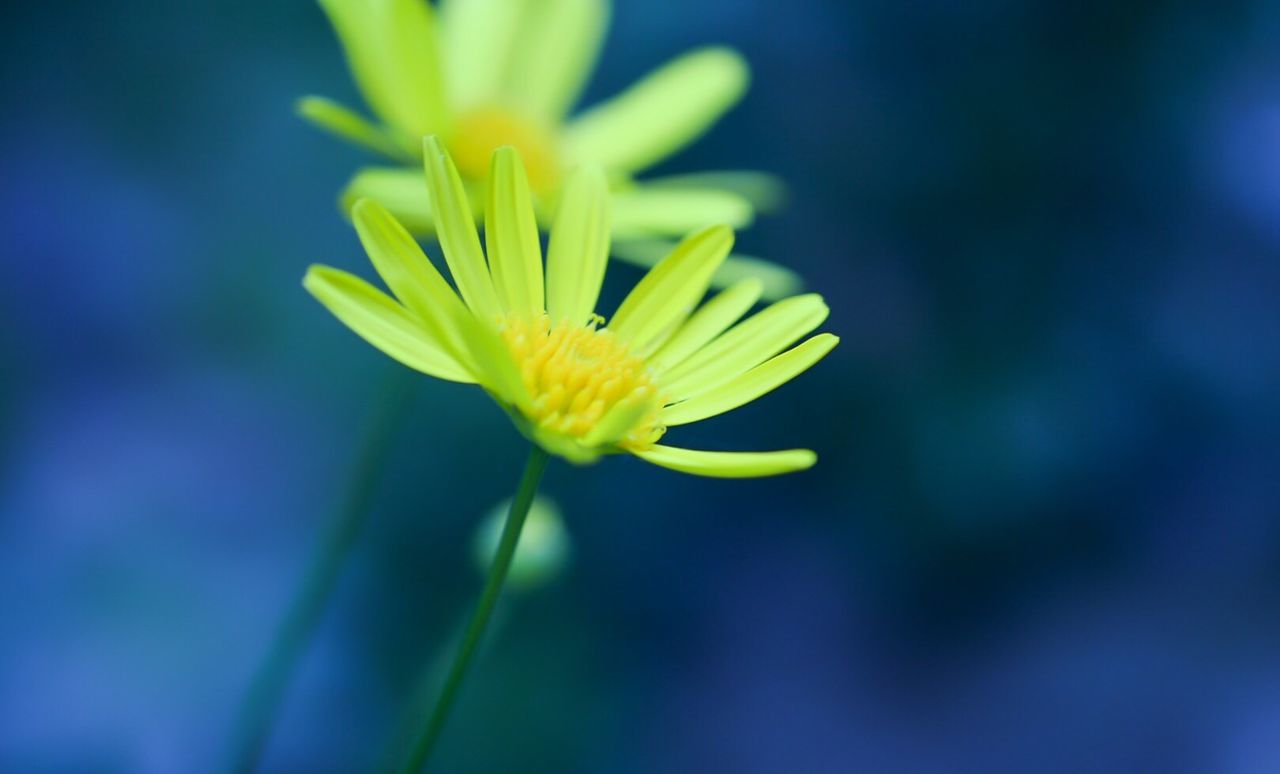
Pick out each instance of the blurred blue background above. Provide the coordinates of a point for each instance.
(1043, 534)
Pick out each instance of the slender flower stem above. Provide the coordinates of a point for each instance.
(267, 690)
(427, 687)
(484, 608)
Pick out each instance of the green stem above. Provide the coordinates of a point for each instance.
(267, 690)
(427, 688)
(484, 608)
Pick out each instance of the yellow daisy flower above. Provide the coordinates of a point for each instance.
(575, 385)
(481, 74)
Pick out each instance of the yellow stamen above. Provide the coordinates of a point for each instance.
(576, 374)
(479, 132)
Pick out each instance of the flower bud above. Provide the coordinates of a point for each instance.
(542, 553)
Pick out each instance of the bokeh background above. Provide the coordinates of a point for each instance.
(1043, 535)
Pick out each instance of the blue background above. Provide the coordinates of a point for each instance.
(1043, 534)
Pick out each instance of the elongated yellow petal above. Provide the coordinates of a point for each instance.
(745, 346)
(579, 247)
(383, 323)
(708, 322)
(495, 369)
(391, 50)
(554, 54)
(345, 123)
(764, 191)
(402, 190)
(729, 464)
(476, 40)
(666, 296)
(456, 229)
(620, 420)
(646, 211)
(410, 276)
(745, 388)
(511, 234)
(662, 113)
(779, 282)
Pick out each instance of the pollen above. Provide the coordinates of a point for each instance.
(575, 374)
(478, 133)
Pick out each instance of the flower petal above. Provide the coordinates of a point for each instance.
(729, 464)
(511, 234)
(476, 40)
(745, 388)
(403, 191)
(779, 282)
(456, 229)
(554, 55)
(708, 322)
(745, 346)
(411, 276)
(382, 322)
(495, 368)
(579, 246)
(618, 421)
(349, 125)
(391, 50)
(666, 296)
(661, 114)
(765, 192)
(646, 211)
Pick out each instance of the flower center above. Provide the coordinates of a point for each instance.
(576, 374)
(481, 131)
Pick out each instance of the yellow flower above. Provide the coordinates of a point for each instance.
(573, 384)
(481, 74)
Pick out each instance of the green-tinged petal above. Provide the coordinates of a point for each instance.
(511, 234)
(778, 282)
(495, 368)
(391, 50)
(661, 114)
(561, 445)
(411, 276)
(645, 211)
(476, 41)
(456, 229)
(579, 246)
(667, 295)
(554, 54)
(535, 55)
(708, 322)
(765, 192)
(382, 322)
(745, 388)
(403, 191)
(729, 464)
(620, 420)
(345, 123)
(745, 346)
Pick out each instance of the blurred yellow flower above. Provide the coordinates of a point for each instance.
(575, 386)
(481, 74)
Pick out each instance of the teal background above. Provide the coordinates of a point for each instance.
(1042, 534)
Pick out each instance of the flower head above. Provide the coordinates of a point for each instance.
(482, 74)
(575, 383)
